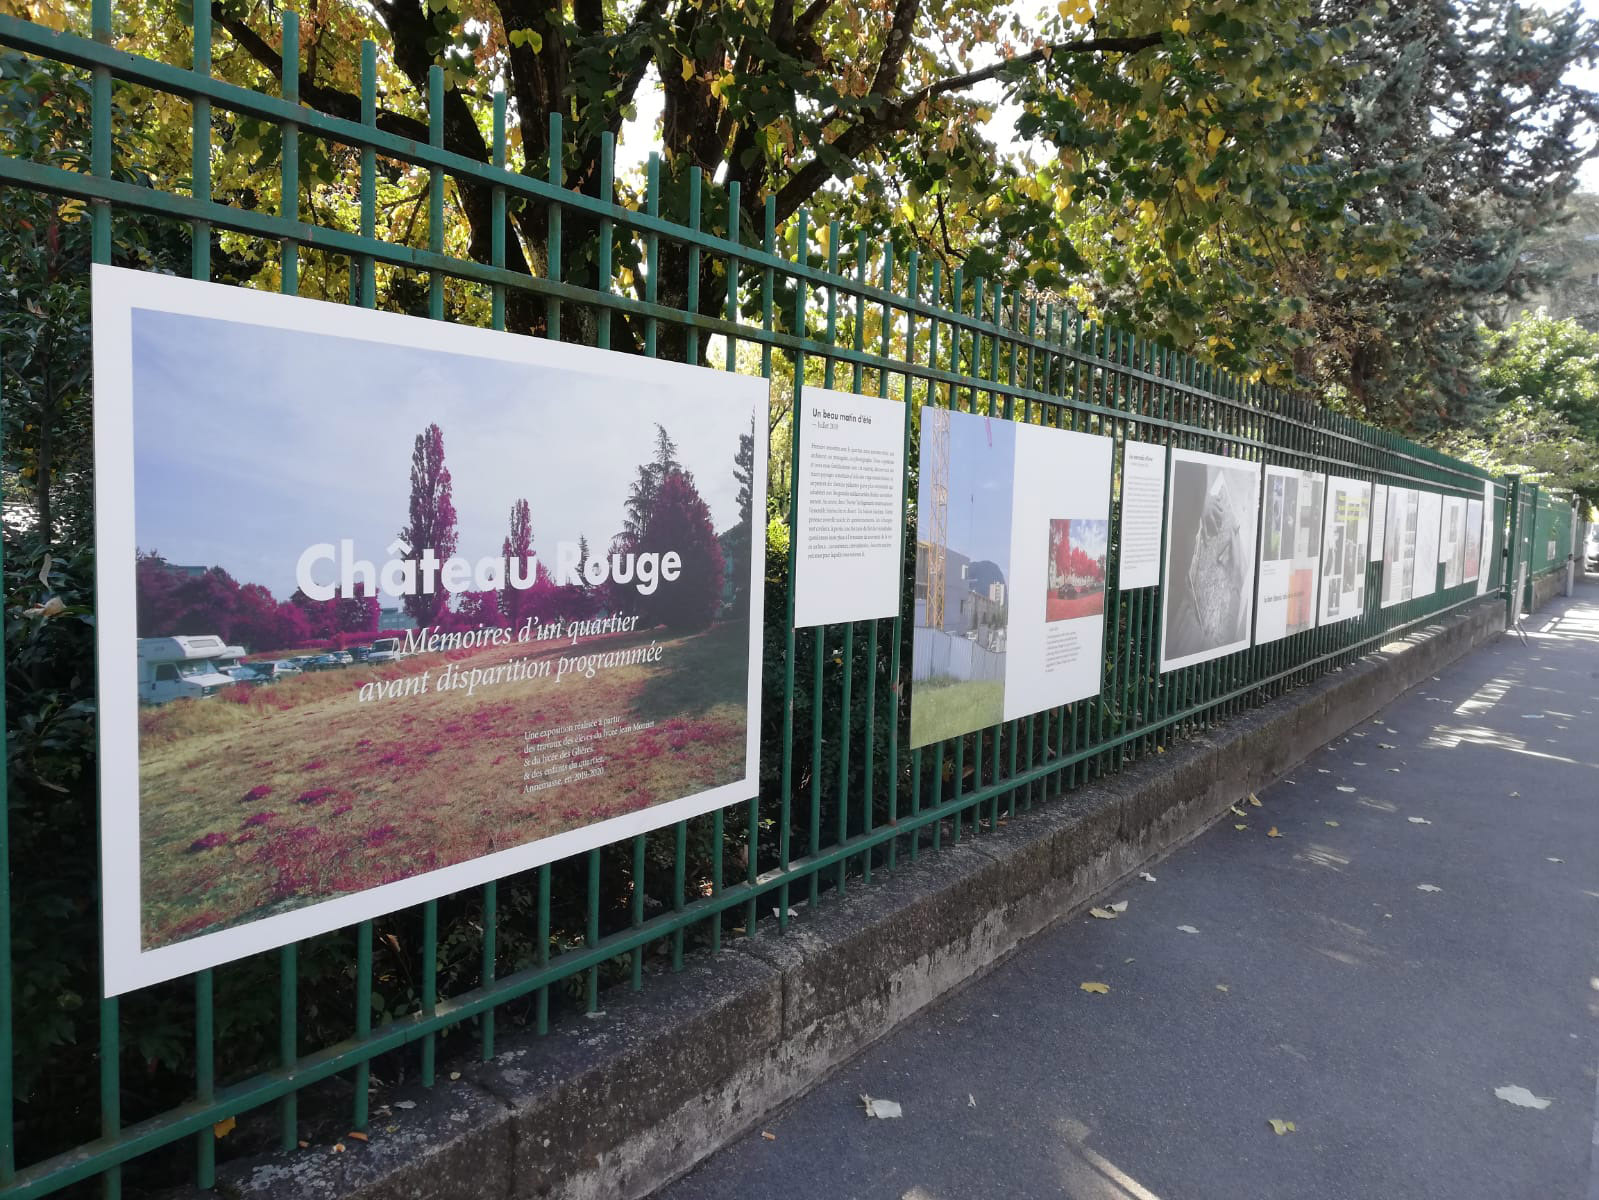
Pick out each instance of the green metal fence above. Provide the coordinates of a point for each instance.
(843, 798)
(1543, 524)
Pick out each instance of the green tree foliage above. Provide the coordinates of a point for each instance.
(1472, 136)
(1542, 385)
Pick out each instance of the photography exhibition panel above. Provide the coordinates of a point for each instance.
(1012, 547)
(1209, 572)
(848, 505)
(1345, 556)
(392, 607)
(1290, 549)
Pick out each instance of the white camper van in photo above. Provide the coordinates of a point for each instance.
(175, 668)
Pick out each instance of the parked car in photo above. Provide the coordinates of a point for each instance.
(384, 650)
(180, 668)
(270, 671)
(329, 662)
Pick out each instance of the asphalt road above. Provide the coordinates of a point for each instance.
(1323, 985)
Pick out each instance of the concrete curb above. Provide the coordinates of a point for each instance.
(618, 1105)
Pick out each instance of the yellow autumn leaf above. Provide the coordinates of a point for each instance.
(688, 69)
(1254, 799)
(1097, 989)
(1341, 273)
(1215, 137)
(1272, 832)
(224, 1127)
(1181, 25)
(1240, 828)
(1280, 1127)
(1331, 824)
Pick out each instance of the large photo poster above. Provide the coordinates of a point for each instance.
(391, 607)
(1012, 534)
(1212, 507)
(961, 624)
(1473, 555)
(1344, 550)
(1399, 546)
(1489, 549)
(1452, 543)
(1429, 528)
(1290, 548)
(1060, 540)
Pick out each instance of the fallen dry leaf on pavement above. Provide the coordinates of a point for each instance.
(769, 1135)
(1240, 827)
(1345, 788)
(883, 1110)
(1104, 914)
(1221, 987)
(1556, 860)
(1097, 989)
(1254, 799)
(1186, 929)
(1119, 907)
(1146, 877)
(1272, 832)
(1418, 820)
(971, 1100)
(1332, 824)
(357, 1135)
(1280, 1127)
(1428, 887)
(1514, 1093)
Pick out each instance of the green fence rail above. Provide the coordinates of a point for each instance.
(843, 798)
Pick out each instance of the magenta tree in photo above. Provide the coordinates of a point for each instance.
(517, 546)
(680, 521)
(431, 522)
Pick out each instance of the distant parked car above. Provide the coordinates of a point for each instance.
(329, 662)
(1591, 550)
(384, 650)
(270, 672)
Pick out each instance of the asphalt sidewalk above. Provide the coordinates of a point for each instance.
(1406, 923)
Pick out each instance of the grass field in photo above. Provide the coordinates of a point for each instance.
(265, 799)
(948, 708)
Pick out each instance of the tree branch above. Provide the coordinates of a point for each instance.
(890, 116)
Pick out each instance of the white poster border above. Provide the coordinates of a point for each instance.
(116, 293)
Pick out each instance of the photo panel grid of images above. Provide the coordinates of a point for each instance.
(1345, 550)
(1290, 548)
(1429, 528)
(1473, 557)
(394, 607)
(1399, 546)
(1212, 520)
(1452, 544)
(1012, 534)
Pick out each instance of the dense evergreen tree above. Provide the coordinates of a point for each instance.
(1471, 137)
